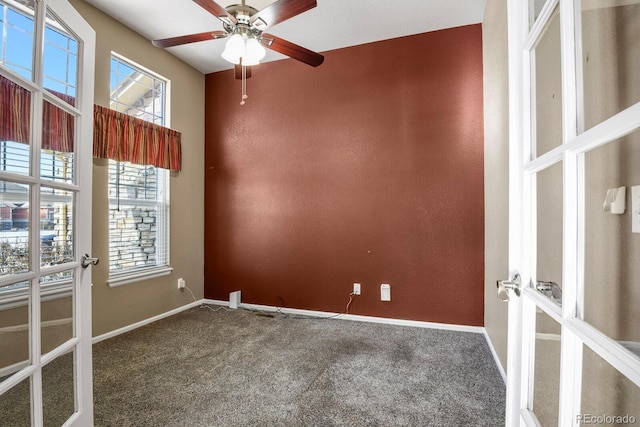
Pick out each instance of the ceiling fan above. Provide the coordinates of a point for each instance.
(244, 27)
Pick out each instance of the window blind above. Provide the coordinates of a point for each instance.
(138, 217)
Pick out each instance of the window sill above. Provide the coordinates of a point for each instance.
(121, 279)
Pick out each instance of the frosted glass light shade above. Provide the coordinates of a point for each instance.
(234, 49)
(254, 52)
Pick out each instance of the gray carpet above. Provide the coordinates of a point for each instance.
(236, 368)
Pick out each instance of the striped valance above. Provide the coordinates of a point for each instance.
(15, 112)
(15, 118)
(116, 135)
(119, 136)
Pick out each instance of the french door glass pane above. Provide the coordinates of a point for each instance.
(14, 157)
(608, 397)
(610, 57)
(15, 405)
(14, 228)
(546, 387)
(58, 398)
(548, 88)
(57, 314)
(536, 8)
(549, 232)
(60, 60)
(612, 249)
(57, 165)
(56, 226)
(18, 29)
(14, 338)
(57, 159)
(15, 132)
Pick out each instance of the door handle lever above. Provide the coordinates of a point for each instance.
(503, 286)
(87, 261)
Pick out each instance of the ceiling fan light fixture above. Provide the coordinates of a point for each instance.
(234, 49)
(254, 52)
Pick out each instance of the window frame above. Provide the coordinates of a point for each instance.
(137, 274)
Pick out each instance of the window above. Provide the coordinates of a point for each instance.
(138, 194)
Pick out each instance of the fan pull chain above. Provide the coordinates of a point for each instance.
(244, 85)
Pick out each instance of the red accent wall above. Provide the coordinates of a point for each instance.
(366, 169)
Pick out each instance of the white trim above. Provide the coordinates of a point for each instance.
(64, 348)
(15, 278)
(543, 336)
(138, 276)
(354, 317)
(613, 352)
(136, 325)
(25, 327)
(23, 374)
(215, 302)
(495, 357)
(529, 418)
(540, 26)
(544, 303)
(613, 128)
(12, 369)
(57, 352)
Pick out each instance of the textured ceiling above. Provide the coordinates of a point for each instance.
(333, 24)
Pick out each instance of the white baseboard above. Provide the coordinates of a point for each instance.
(44, 324)
(495, 357)
(144, 322)
(354, 317)
(215, 302)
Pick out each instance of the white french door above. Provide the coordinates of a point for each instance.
(574, 331)
(46, 126)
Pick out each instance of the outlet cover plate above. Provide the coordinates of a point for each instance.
(385, 292)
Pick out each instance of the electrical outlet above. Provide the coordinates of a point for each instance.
(385, 292)
(181, 283)
(356, 288)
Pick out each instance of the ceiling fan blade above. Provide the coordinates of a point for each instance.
(191, 38)
(238, 71)
(218, 11)
(280, 11)
(292, 50)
